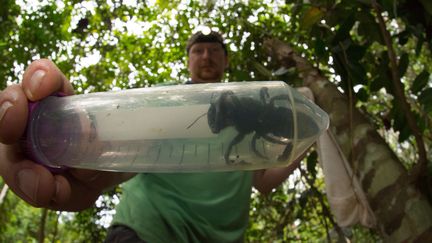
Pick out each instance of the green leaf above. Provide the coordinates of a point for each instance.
(241, 75)
(403, 37)
(383, 72)
(358, 73)
(356, 52)
(262, 70)
(310, 17)
(429, 167)
(420, 82)
(389, 6)
(344, 29)
(399, 121)
(425, 98)
(311, 162)
(320, 50)
(367, 2)
(404, 134)
(368, 28)
(362, 95)
(419, 45)
(376, 84)
(427, 4)
(403, 64)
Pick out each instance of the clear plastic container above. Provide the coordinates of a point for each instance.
(199, 127)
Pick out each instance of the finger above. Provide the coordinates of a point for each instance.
(39, 187)
(73, 195)
(98, 180)
(85, 187)
(63, 192)
(13, 114)
(86, 176)
(30, 181)
(78, 189)
(43, 78)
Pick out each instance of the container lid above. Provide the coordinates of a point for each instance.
(30, 138)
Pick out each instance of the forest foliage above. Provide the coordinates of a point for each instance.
(376, 52)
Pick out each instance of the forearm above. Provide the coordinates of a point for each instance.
(266, 180)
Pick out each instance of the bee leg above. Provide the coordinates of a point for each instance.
(286, 153)
(253, 146)
(235, 141)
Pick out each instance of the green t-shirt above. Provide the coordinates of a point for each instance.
(188, 207)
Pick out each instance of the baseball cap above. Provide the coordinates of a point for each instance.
(200, 37)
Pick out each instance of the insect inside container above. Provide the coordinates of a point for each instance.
(263, 117)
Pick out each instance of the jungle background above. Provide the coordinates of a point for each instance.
(367, 61)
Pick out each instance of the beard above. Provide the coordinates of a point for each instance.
(210, 73)
(205, 71)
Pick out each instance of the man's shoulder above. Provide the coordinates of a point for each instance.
(168, 83)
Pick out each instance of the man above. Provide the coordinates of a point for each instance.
(207, 57)
(190, 207)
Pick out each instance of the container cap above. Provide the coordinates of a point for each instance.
(31, 141)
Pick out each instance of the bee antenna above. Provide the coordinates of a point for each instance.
(196, 120)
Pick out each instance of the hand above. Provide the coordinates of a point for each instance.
(268, 179)
(72, 190)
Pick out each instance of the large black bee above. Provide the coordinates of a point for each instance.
(268, 121)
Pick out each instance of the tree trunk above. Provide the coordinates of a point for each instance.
(403, 213)
(41, 235)
(54, 238)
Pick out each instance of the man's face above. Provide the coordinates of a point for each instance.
(207, 62)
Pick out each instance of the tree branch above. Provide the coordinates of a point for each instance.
(3, 193)
(400, 94)
(41, 233)
(373, 155)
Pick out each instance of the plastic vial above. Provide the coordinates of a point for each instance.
(199, 127)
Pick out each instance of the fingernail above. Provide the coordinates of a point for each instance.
(3, 109)
(28, 182)
(35, 82)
